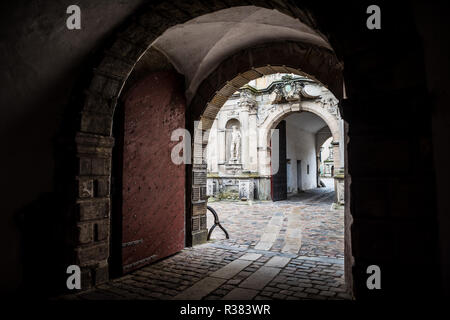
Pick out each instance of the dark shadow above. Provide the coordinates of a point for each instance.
(115, 259)
(44, 239)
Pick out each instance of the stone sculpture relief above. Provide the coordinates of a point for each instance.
(235, 144)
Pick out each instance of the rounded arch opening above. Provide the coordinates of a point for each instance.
(332, 123)
(309, 166)
(238, 67)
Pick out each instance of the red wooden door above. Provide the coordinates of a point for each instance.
(153, 187)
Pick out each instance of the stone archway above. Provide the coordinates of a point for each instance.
(333, 123)
(94, 141)
(201, 132)
(247, 58)
(272, 121)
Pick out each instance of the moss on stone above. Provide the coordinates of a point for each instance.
(228, 195)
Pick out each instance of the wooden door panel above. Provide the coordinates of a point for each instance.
(153, 187)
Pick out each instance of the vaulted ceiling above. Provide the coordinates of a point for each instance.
(198, 46)
(306, 121)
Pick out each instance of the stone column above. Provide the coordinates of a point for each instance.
(199, 198)
(317, 169)
(341, 144)
(263, 152)
(336, 155)
(91, 244)
(215, 134)
(338, 174)
(221, 136)
(253, 142)
(339, 186)
(263, 164)
(244, 138)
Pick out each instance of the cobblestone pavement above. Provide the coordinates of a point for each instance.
(289, 249)
(321, 227)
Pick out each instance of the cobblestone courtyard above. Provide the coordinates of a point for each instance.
(290, 249)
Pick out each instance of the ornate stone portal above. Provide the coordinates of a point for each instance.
(239, 147)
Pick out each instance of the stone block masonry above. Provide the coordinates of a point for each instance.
(91, 248)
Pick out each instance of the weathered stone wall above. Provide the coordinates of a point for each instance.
(44, 68)
(392, 201)
(93, 207)
(300, 145)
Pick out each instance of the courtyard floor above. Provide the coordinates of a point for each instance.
(292, 249)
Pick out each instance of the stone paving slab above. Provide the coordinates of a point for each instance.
(241, 294)
(271, 232)
(200, 289)
(291, 246)
(263, 252)
(322, 259)
(250, 256)
(260, 278)
(264, 245)
(231, 269)
(277, 261)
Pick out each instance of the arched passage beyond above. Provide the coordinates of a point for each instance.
(333, 123)
(261, 107)
(94, 140)
(297, 121)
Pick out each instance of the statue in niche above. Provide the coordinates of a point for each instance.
(235, 144)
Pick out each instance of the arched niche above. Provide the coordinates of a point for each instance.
(236, 124)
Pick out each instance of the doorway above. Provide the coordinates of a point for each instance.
(299, 176)
(148, 214)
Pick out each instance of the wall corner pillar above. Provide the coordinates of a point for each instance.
(92, 220)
